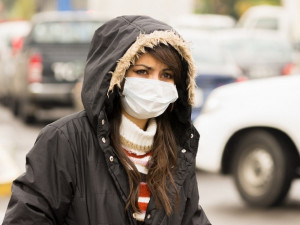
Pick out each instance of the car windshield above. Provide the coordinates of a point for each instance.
(65, 32)
(206, 52)
(267, 23)
(245, 49)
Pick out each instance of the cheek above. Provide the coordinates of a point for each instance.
(130, 73)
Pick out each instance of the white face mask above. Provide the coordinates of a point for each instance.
(147, 98)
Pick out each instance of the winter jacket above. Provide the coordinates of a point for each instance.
(73, 176)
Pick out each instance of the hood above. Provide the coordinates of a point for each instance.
(113, 49)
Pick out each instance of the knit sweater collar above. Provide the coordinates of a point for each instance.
(136, 140)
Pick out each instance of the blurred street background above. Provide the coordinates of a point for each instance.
(44, 44)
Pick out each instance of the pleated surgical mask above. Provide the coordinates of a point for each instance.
(147, 98)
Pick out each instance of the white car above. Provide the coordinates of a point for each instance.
(284, 20)
(251, 130)
(203, 21)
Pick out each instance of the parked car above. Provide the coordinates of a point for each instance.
(51, 61)
(214, 67)
(10, 34)
(284, 20)
(203, 21)
(250, 131)
(259, 53)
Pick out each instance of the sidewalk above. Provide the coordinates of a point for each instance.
(8, 172)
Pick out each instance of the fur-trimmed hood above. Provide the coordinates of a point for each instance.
(112, 51)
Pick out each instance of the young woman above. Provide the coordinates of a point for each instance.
(129, 157)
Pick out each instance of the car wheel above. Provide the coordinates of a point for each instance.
(262, 169)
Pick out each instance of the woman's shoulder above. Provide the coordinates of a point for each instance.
(72, 119)
(75, 122)
(68, 127)
(64, 136)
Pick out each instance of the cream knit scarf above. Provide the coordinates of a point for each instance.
(137, 141)
(137, 144)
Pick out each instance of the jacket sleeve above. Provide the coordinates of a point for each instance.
(42, 195)
(194, 214)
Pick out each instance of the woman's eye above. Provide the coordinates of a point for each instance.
(168, 76)
(141, 72)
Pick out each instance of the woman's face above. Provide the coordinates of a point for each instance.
(150, 68)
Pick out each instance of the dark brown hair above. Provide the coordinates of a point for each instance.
(164, 153)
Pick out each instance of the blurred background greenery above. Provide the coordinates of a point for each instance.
(17, 9)
(234, 8)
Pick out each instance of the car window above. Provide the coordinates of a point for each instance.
(267, 23)
(65, 32)
(206, 52)
(257, 48)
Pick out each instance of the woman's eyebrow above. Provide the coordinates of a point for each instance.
(147, 67)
